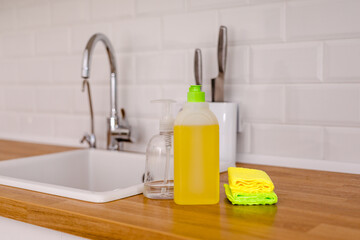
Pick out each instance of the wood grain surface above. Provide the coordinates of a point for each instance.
(312, 205)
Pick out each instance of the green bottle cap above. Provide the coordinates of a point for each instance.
(195, 94)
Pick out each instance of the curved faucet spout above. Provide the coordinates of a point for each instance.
(85, 70)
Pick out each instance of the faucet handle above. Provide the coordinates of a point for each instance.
(124, 123)
(122, 111)
(90, 139)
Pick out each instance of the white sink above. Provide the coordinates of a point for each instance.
(88, 175)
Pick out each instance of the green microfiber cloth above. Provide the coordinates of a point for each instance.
(242, 198)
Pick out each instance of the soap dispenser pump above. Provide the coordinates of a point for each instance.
(158, 181)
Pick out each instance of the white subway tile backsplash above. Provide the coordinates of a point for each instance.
(110, 9)
(287, 141)
(2, 105)
(126, 69)
(33, 15)
(200, 4)
(100, 125)
(18, 44)
(319, 19)
(163, 68)
(136, 101)
(34, 70)
(100, 69)
(342, 144)
(18, 98)
(80, 35)
(342, 58)
(70, 11)
(67, 70)
(8, 71)
(265, 1)
(71, 127)
(237, 66)
(37, 125)
(27, 3)
(6, 4)
(54, 41)
(175, 92)
(323, 104)
(9, 123)
(259, 103)
(294, 62)
(258, 23)
(54, 99)
(81, 101)
(100, 100)
(190, 30)
(1, 50)
(7, 19)
(134, 35)
(158, 6)
(144, 129)
(244, 138)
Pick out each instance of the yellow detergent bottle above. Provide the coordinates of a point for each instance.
(196, 152)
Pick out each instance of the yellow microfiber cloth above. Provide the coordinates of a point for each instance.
(246, 180)
(242, 198)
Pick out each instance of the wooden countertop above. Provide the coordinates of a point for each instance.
(312, 205)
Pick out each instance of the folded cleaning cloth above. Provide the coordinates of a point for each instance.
(242, 198)
(246, 180)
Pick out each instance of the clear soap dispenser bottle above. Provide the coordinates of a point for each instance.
(158, 182)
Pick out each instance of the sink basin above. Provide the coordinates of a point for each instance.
(89, 175)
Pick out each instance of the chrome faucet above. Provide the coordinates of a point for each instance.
(118, 130)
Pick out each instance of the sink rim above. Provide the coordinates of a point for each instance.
(70, 192)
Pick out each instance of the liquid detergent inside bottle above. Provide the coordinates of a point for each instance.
(158, 182)
(196, 152)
